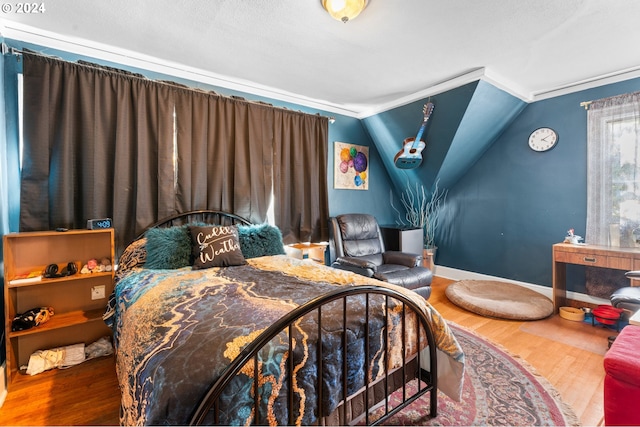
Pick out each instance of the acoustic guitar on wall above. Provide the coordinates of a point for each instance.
(411, 154)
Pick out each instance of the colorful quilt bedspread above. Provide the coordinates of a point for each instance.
(177, 330)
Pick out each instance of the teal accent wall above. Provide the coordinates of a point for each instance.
(506, 204)
(465, 122)
(489, 113)
(375, 200)
(511, 206)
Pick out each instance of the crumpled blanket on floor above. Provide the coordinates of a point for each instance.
(68, 356)
(61, 357)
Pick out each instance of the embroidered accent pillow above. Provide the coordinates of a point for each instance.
(215, 246)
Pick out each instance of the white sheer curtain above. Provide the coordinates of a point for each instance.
(613, 171)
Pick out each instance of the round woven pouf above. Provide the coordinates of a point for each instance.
(499, 299)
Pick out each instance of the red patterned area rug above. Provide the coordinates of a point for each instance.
(499, 389)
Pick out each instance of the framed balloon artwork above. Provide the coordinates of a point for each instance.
(351, 166)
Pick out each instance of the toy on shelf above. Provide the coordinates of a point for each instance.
(93, 266)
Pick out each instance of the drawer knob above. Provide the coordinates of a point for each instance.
(586, 259)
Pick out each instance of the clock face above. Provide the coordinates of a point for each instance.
(543, 139)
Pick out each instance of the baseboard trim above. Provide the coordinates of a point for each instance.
(456, 274)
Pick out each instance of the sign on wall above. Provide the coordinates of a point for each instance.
(351, 166)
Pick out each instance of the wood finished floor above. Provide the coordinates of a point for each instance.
(88, 394)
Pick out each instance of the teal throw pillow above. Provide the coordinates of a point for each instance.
(168, 248)
(260, 240)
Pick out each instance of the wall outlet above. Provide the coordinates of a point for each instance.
(97, 292)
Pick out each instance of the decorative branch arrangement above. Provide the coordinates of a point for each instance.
(422, 210)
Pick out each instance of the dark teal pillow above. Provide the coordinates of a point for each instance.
(260, 240)
(168, 248)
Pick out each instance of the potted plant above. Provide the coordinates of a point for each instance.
(422, 210)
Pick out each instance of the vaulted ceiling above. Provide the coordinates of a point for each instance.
(394, 53)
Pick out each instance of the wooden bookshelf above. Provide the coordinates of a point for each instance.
(77, 309)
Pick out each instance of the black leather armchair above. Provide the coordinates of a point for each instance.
(356, 244)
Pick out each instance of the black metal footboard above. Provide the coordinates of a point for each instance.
(209, 408)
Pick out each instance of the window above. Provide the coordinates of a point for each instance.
(20, 104)
(613, 194)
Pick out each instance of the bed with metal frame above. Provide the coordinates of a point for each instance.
(334, 358)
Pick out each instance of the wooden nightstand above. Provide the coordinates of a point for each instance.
(312, 251)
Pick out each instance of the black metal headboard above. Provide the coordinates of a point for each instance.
(204, 215)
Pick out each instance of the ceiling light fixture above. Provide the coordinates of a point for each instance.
(344, 10)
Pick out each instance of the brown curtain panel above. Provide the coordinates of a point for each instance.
(300, 176)
(224, 154)
(96, 144)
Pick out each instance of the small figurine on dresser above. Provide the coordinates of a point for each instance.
(572, 238)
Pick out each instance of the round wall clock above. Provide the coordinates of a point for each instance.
(543, 139)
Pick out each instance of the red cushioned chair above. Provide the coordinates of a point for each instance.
(622, 379)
